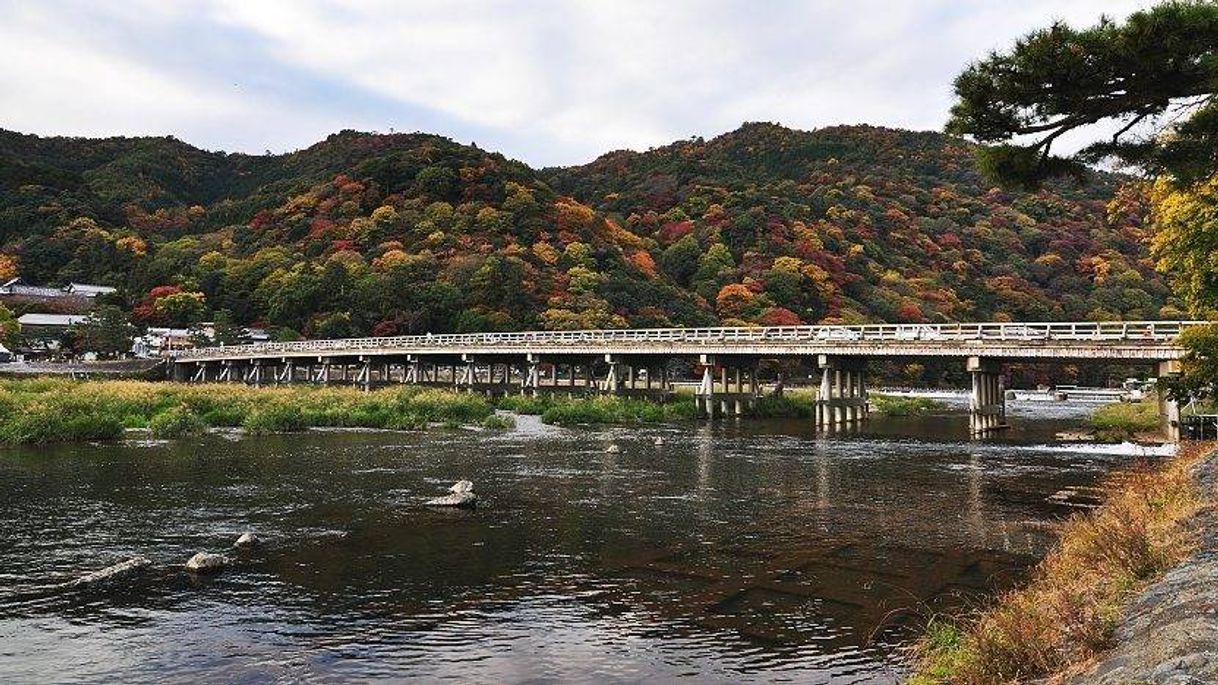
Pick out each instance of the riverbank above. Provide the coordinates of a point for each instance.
(1062, 621)
(44, 410)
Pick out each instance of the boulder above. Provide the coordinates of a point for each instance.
(659, 441)
(461, 496)
(612, 449)
(206, 562)
(247, 541)
(457, 499)
(120, 570)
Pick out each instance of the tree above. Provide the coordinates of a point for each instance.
(179, 309)
(10, 330)
(680, 260)
(1199, 365)
(106, 332)
(1157, 73)
(1186, 239)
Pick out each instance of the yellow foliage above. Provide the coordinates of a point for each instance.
(1185, 244)
(8, 267)
(133, 245)
(546, 253)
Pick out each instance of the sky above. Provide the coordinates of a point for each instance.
(546, 82)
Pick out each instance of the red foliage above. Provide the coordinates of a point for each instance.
(779, 316)
(673, 231)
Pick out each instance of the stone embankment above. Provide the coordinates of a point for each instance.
(1169, 634)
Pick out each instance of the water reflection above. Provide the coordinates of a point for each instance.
(735, 551)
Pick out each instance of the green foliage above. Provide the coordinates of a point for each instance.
(498, 422)
(788, 405)
(176, 422)
(619, 410)
(904, 406)
(1124, 420)
(49, 410)
(275, 418)
(1157, 68)
(105, 332)
(10, 330)
(1199, 377)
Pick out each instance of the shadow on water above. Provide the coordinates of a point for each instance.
(738, 551)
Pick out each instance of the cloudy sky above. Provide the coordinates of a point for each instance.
(548, 82)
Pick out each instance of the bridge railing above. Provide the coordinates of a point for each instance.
(1149, 332)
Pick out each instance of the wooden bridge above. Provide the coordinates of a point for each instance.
(726, 359)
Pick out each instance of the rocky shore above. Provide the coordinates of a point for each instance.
(1169, 634)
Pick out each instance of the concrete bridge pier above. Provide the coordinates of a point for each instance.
(321, 375)
(530, 377)
(987, 404)
(613, 379)
(704, 396)
(1169, 409)
(842, 399)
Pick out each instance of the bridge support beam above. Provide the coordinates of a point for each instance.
(842, 399)
(1169, 409)
(987, 403)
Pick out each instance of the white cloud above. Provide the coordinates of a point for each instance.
(550, 81)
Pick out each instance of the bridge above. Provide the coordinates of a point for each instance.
(726, 360)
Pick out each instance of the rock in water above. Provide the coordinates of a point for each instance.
(612, 449)
(462, 496)
(457, 499)
(205, 562)
(246, 541)
(119, 570)
(659, 441)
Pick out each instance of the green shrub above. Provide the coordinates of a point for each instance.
(275, 418)
(1122, 421)
(905, 406)
(789, 405)
(176, 422)
(499, 422)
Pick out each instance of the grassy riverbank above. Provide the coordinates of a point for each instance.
(57, 410)
(1064, 616)
(1124, 420)
(564, 411)
(894, 405)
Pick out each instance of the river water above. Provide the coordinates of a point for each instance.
(753, 551)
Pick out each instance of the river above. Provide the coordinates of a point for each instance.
(739, 551)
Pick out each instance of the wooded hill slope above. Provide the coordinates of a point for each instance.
(406, 233)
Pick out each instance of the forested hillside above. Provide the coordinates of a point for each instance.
(385, 234)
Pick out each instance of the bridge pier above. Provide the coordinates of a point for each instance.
(842, 399)
(729, 394)
(704, 396)
(987, 403)
(1169, 409)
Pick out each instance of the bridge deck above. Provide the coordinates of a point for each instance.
(1117, 341)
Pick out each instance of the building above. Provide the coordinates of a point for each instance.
(157, 341)
(5, 355)
(72, 297)
(87, 290)
(18, 288)
(41, 333)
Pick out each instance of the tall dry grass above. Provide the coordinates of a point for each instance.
(1064, 616)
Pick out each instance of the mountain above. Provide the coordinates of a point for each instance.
(405, 233)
